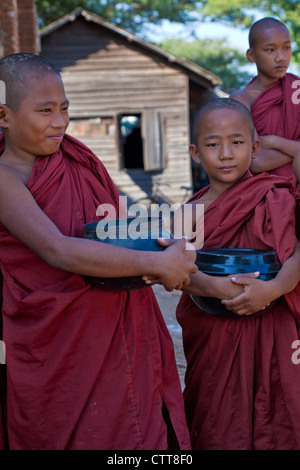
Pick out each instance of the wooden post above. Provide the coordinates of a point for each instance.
(9, 30)
(18, 27)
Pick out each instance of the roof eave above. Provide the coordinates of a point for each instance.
(200, 74)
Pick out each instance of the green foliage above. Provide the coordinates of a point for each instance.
(216, 56)
(130, 14)
(133, 14)
(243, 13)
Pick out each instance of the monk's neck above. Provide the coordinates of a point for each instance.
(209, 197)
(215, 190)
(262, 83)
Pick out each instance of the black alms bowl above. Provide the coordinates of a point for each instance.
(226, 261)
(138, 233)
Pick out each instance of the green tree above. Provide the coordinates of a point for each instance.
(130, 14)
(216, 56)
(243, 13)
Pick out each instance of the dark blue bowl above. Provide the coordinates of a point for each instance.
(138, 233)
(227, 261)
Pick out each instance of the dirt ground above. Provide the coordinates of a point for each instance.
(168, 302)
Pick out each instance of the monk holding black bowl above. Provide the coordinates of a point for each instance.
(242, 382)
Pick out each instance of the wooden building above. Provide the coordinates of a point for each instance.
(18, 27)
(131, 103)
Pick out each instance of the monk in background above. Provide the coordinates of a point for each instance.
(87, 368)
(242, 385)
(273, 97)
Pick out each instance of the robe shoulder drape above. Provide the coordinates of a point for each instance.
(86, 368)
(276, 111)
(242, 386)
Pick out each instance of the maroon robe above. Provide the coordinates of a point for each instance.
(86, 368)
(2, 407)
(2, 382)
(242, 387)
(276, 111)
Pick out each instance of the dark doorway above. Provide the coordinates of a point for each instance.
(130, 125)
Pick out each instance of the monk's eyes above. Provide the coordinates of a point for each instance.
(272, 49)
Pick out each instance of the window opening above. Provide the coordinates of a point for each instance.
(132, 141)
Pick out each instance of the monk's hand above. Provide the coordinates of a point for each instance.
(173, 266)
(189, 253)
(256, 296)
(244, 276)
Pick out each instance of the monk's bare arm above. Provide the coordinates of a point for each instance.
(272, 153)
(219, 287)
(204, 285)
(244, 97)
(296, 166)
(269, 156)
(275, 151)
(267, 160)
(285, 146)
(24, 219)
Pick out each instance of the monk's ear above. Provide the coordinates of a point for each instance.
(255, 148)
(195, 154)
(250, 55)
(3, 116)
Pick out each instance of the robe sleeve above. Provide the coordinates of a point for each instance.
(274, 222)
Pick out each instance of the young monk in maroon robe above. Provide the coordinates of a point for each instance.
(273, 97)
(242, 385)
(86, 368)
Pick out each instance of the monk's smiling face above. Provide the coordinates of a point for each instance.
(224, 147)
(38, 124)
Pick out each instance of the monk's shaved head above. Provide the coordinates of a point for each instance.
(260, 26)
(17, 71)
(222, 103)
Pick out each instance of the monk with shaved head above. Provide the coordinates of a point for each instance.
(19, 71)
(272, 97)
(87, 368)
(263, 27)
(242, 383)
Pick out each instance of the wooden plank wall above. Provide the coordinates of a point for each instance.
(104, 76)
